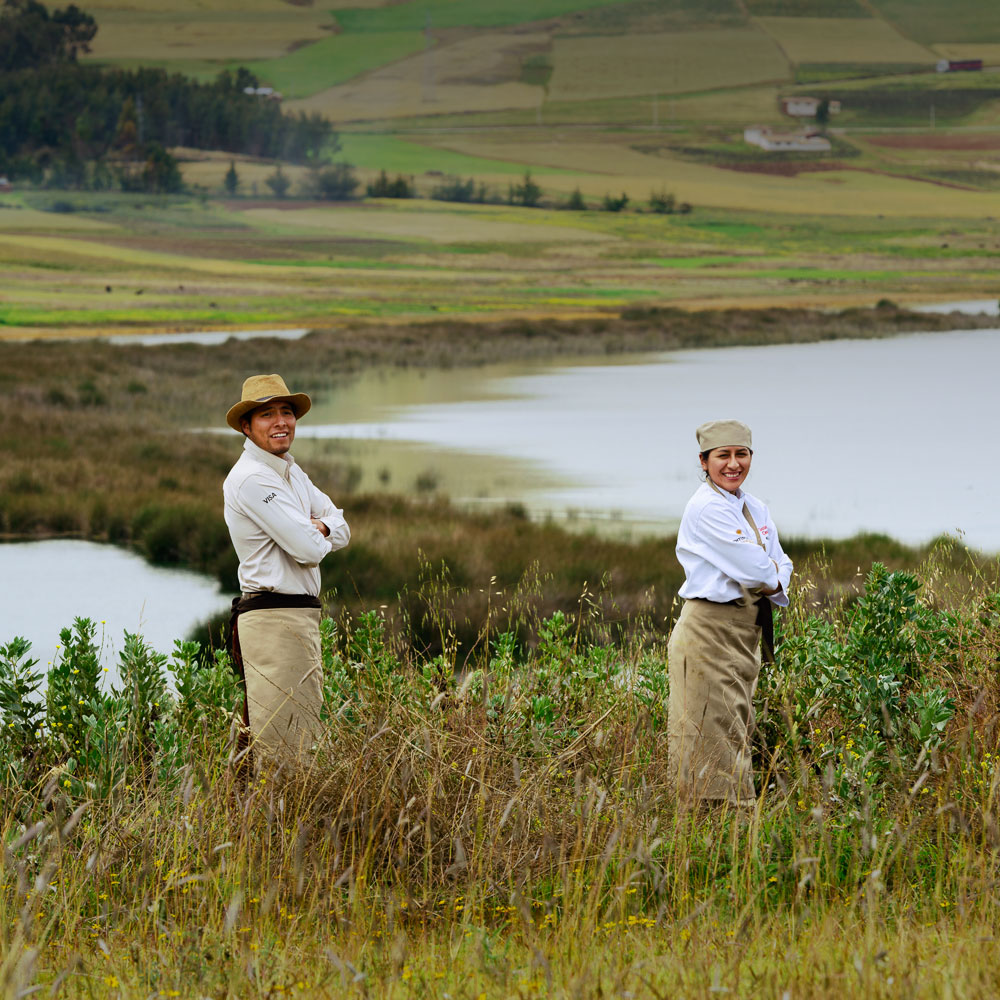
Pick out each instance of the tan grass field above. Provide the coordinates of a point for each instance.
(479, 73)
(989, 52)
(842, 40)
(128, 257)
(733, 107)
(210, 173)
(591, 68)
(20, 219)
(609, 164)
(456, 224)
(215, 34)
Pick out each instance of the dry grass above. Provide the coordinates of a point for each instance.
(218, 35)
(455, 224)
(842, 40)
(612, 164)
(511, 833)
(473, 74)
(989, 52)
(626, 65)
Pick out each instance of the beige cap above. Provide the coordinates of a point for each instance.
(722, 434)
(261, 389)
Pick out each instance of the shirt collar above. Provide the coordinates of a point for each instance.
(281, 464)
(733, 498)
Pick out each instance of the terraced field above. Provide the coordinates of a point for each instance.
(843, 40)
(630, 65)
(938, 21)
(479, 73)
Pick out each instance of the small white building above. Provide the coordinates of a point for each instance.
(806, 107)
(803, 141)
(269, 92)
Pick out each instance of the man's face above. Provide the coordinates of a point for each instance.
(271, 427)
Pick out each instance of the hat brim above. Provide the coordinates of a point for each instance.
(301, 403)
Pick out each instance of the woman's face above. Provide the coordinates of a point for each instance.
(728, 467)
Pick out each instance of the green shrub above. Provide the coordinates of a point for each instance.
(399, 187)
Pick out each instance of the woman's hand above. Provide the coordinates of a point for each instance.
(776, 590)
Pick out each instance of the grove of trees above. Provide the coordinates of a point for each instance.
(87, 126)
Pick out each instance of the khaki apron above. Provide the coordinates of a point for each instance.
(714, 661)
(283, 672)
(714, 658)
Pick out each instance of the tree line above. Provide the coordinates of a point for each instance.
(90, 127)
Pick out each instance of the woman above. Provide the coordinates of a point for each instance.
(734, 571)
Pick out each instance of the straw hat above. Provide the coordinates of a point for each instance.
(261, 389)
(723, 434)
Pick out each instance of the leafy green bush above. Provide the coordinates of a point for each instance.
(863, 695)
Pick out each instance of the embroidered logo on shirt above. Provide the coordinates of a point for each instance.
(268, 499)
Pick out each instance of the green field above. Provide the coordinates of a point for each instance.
(334, 60)
(418, 15)
(382, 151)
(936, 21)
(808, 8)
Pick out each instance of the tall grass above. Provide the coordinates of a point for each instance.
(507, 829)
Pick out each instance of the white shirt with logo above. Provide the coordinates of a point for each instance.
(269, 501)
(718, 549)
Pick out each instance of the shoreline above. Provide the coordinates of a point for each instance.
(103, 453)
(906, 304)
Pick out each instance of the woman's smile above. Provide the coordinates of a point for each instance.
(728, 467)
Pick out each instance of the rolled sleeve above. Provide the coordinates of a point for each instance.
(784, 565)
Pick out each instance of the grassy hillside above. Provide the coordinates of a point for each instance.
(105, 262)
(456, 77)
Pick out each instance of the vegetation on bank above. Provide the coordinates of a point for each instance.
(112, 446)
(503, 826)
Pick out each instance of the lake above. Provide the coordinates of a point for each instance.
(59, 580)
(893, 435)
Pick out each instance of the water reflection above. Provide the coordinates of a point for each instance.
(865, 435)
(968, 307)
(203, 337)
(59, 580)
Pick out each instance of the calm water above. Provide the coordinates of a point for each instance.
(894, 435)
(192, 337)
(970, 307)
(57, 581)
(203, 337)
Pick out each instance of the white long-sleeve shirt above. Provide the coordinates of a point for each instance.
(269, 501)
(718, 549)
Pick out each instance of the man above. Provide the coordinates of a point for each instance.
(281, 526)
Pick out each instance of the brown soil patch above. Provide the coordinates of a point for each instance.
(978, 141)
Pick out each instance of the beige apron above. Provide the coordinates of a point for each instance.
(283, 667)
(714, 660)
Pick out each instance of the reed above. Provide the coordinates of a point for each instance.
(505, 828)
